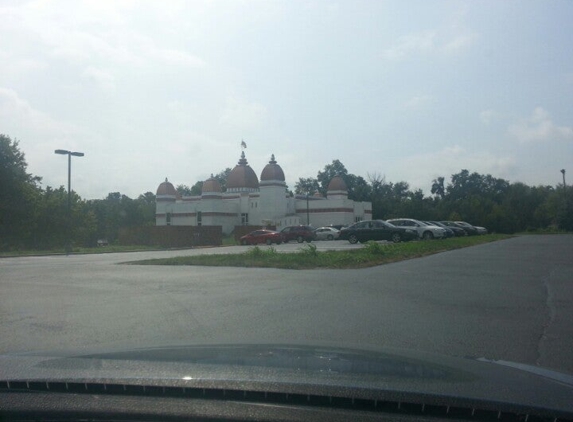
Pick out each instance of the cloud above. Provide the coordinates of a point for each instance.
(459, 42)
(16, 110)
(409, 44)
(103, 78)
(539, 128)
(172, 57)
(418, 102)
(429, 42)
(243, 115)
(488, 116)
(451, 37)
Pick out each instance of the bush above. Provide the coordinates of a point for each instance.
(374, 248)
(309, 250)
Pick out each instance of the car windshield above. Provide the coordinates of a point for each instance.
(219, 172)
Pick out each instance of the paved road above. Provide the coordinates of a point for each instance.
(509, 300)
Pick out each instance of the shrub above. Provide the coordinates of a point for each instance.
(374, 248)
(309, 250)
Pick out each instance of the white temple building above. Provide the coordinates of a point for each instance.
(248, 202)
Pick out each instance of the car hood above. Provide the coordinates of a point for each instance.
(391, 376)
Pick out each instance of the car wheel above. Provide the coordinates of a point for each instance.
(330, 237)
(269, 242)
(243, 242)
(279, 242)
(353, 239)
(427, 236)
(299, 239)
(396, 238)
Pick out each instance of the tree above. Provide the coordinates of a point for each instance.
(185, 190)
(336, 168)
(306, 186)
(438, 187)
(19, 192)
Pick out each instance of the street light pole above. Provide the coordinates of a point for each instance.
(563, 173)
(69, 225)
(307, 213)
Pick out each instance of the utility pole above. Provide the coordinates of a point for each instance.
(563, 173)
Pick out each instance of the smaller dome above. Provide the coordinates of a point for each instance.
(166, 188)
(272, 171)
(211, 185)
(337, 184)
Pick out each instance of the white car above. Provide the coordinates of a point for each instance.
(425, 231)
(327, 233)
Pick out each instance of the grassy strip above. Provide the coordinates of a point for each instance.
(308, 257)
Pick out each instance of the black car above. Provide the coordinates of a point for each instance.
(468, 228)
(298, 233)
(364, 231)
(455, 231)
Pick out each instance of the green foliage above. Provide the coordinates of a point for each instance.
(306, 186)
(374, 248)
(19, 195)
(308, 250)
(257, 252)
(309, 257)
(185, 190)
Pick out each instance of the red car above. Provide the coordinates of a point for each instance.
(261, 236)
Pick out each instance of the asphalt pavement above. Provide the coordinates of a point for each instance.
(510, 300)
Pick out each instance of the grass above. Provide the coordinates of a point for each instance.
(308, 257)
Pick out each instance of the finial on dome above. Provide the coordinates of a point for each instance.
(273, 161)
(166, 179)
(243, 160)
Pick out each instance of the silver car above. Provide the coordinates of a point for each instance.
(425, 231)
(327, 233)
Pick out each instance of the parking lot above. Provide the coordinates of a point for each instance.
(510, 300)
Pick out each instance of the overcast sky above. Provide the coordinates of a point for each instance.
(407, 89)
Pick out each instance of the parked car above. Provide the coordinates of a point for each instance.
(467, 227)
(364, 231)
(336, 226)
(457, 231)
(298, 233)
(425, 231)
(261, 236)
(449, 232)
(470, 231)
(326, 233)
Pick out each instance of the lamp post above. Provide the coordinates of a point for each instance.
(563, 173)
(307, 213)
(69, 154)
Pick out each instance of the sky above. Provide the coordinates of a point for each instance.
(407, 90)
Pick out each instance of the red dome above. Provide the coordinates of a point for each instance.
(166, 188)
(272, 171)
(337, 184)
(242, 176)
(211, 185)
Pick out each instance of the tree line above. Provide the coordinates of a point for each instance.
(482, 200)
(33, 217)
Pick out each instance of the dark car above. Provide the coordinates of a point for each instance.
(261, 236)
(364, 231)
(298, 233)
(468, 228)
(455, 231)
